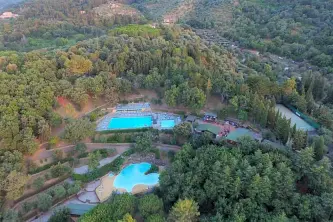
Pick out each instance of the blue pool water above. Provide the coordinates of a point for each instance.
(167, 123)
(134, 174)
(130, 122)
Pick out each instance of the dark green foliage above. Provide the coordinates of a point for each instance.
(128, 152)
(59, 170)
(183, 130)
(80, 148)
(60, 215)
(44, 201)
(114, 166)
(248, 175)
(150, 205)
(47, 166)
(79, 129)
(114, 210)
(143, 143)
(126, 130)
(153, 169)
(319, 147)
(38, 183)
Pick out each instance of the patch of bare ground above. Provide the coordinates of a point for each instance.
(115, 8)
(67, 109)
(179, 12)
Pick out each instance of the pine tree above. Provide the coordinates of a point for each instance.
(319, 147)
(299, 140)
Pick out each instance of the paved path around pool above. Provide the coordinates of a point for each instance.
(120, 147)
(84, 169)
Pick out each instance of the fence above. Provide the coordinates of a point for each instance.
(306, 118)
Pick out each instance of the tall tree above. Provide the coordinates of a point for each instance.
(186, 210)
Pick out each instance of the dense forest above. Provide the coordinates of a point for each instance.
(301, 30)
(170, 61)
(64, 49)
(250, 182)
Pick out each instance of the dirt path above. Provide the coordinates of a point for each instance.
(120, 147)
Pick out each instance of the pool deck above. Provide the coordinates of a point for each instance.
(106, 188)
(157, 119)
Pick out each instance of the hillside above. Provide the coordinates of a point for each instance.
(234, 60)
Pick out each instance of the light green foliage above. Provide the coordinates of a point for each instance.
(44, 201)
(127, 218)
(184, 211)
(93, 160)
(59, 192)
(137, 30)
(13, 184)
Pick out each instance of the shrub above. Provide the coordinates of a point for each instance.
(58, 155)
(27, 207)
(171, 155)
(53, 141)
(44, 201)
(157, 153)
(59, 192)
(73, 189)
(38, 183)
(126, 130)
(60, 215)
(80, 148)
(59, 170)
(128, 152)
(153, 169)
(111, 151)
(47, 166)
(114, 166)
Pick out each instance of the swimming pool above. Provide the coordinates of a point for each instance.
(130, 122)
(134, 174)
(167, 124)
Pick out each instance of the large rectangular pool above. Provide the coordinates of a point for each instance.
(130, 122)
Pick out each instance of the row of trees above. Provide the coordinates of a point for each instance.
(150, 208)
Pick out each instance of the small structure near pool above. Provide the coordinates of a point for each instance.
(233, 136)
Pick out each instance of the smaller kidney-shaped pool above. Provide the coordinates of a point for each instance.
(133, 175)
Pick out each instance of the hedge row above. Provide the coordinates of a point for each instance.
(47, 166)
(114, 166)
(125, 130)
(104, 153)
